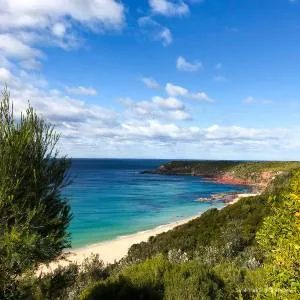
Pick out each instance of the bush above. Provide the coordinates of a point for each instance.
(192, 280)
(138, 281)
(64, 282)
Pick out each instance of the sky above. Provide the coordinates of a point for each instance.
(201, 79)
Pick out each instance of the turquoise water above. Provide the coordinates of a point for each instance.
(111, 198)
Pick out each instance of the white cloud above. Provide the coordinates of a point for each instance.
(43, 13)
(28, 25)
(183, 65)
(59, 29)
(176, 90)
(31, 64)
(81, 90)
(155, 30)
(179, 91)
(252, 100)
(157, 108)
(169, 103)
(13, 47)
(59, 108)
(169, 8)
(94, 130)
(166, 36)
(236, 133)
(179, 115)
(5, 75)
(150, 83)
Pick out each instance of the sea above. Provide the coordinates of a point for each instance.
(111, 198)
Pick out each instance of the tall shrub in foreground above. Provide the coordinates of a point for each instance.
(33, 214)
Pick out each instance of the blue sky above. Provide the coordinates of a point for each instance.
(158, 78)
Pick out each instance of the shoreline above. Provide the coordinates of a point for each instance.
(115, 249)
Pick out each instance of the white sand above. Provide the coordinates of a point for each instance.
(114, 250)
(240, 196)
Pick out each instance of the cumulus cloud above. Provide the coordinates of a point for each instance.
(59, 29)
(169, 103)
(169, 8)
(179, 91)
(183, 65)
(43, 13)
(81, 90)
(5, 75)
(25, 26)
(15, 48)
(156, 123)
(150, 82)
(156, 108)
(179, 115)
(61, 109)
(155, 30)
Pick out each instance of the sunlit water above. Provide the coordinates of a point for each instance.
(111, 198)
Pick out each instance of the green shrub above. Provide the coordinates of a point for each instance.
(64, 282)
(192, 280)
(138, 281)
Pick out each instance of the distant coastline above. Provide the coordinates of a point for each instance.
(256, 175)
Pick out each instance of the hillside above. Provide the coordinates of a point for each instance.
(258, 174)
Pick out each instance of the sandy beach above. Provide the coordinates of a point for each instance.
(114, 250)
(240, 196)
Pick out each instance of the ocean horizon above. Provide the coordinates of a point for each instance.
(112, 198)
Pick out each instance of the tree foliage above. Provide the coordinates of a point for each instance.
(33, 214)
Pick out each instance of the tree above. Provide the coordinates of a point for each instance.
(34, 215)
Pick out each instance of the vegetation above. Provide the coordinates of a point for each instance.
(213, 237)
(33, 215)
(280, 238)
(238, 169)
(248, 250)
(188, 167)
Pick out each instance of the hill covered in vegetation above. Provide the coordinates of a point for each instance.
(257, 173)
